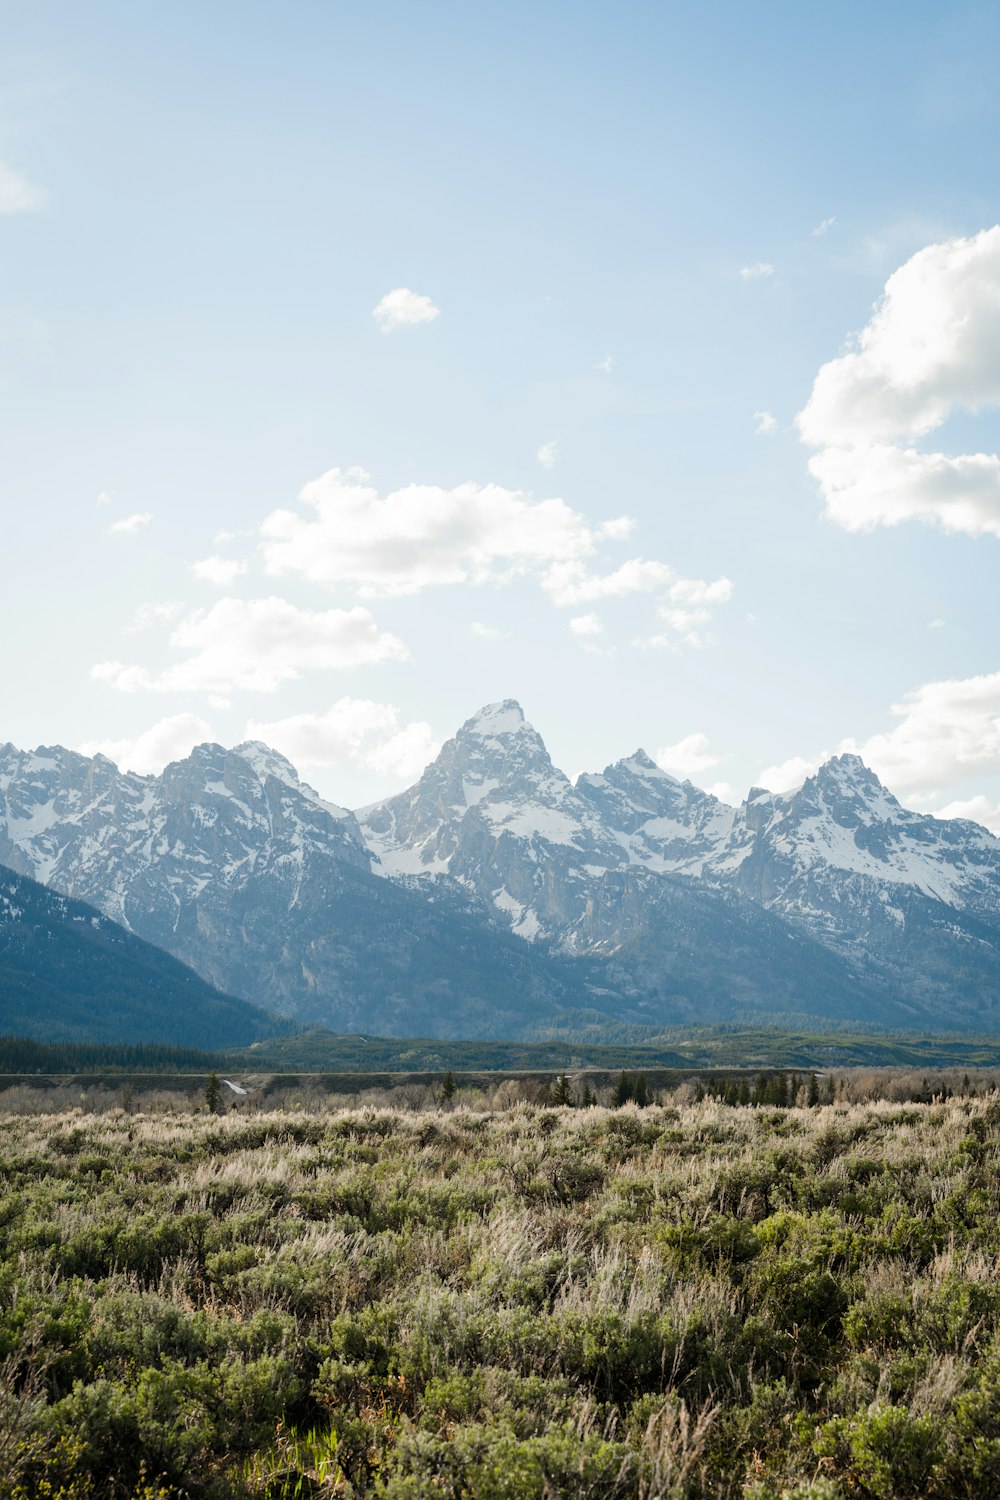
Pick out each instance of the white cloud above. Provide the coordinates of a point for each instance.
(155, 614)
(488, 632)
(605, 365)
(687, 610)
(104, 498)
(569, 583)
(405, 754)
(419, 536)
(980, 809)
(759, 269)
(254, 645)
(764, 423)
(822, 227)
(352, 729)
(402, 308)
(17, 194)
(548, 455)
(129, 525)
(688, 757)
(789, 774)
(219, 570)
(724, 791)
(947, 733)
(586, 625)
(931, 348)
(171, 739)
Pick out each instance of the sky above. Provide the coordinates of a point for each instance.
(361, 364)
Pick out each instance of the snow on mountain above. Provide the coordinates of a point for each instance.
(662, 823)
(842, 825)
(235, 866)
(495, 814)
(155, 852)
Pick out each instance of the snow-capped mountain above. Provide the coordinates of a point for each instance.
(495, 893)
(494, 813)
(911, 901)
(233, 865)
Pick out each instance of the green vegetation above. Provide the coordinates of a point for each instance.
(517, 1300)
(680, 1050)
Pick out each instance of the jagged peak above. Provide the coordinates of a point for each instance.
(496, 719)
(848, 770)
(642, 764)
(265, 761)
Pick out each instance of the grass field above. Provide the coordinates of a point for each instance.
(689, 1299)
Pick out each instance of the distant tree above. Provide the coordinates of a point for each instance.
(812, 1097)
(640, 1091)
(561, 1091)
(743, 1096)
(831, 1089)
(586, 1096)
(213, 1093)
(449, 1088)
(622, 1091)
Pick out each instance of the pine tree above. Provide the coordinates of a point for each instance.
(213, 1093)
(561, 1093)
(586, 1096)
(623, 1091)
(640, 1091)
(449, 1088)
(812, 1098)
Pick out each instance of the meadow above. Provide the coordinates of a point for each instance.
(495, 1297)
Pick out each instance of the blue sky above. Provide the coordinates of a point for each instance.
(645, 229)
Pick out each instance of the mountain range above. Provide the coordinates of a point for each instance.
(495, 897)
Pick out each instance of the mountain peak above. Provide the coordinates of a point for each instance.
(266, 762)
(495, 719)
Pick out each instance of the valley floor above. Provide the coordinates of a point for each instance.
(682, 1300)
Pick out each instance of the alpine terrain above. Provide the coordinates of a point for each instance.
(496, 897)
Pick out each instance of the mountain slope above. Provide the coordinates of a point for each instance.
(67, 973)
(495, 896)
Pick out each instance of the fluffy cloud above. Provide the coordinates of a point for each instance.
(402, 308)
(254, 645)
(352, 729)
(931, 348)
(605, 365)
(218, 570)
(17, 194)
(488, 632)
(759, 270)
(586, 625)
(764, 423)
(129, 525)
(569, 582)
(419, 536)
(788, 774)
(170, 739)
(946, 733)
(822, 227)
(548, 455)
(980, 809)
(688, 757)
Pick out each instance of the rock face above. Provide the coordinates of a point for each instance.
(495, 895)
(495, 814)
(910, 904)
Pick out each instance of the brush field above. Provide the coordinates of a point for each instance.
(505, 1303)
